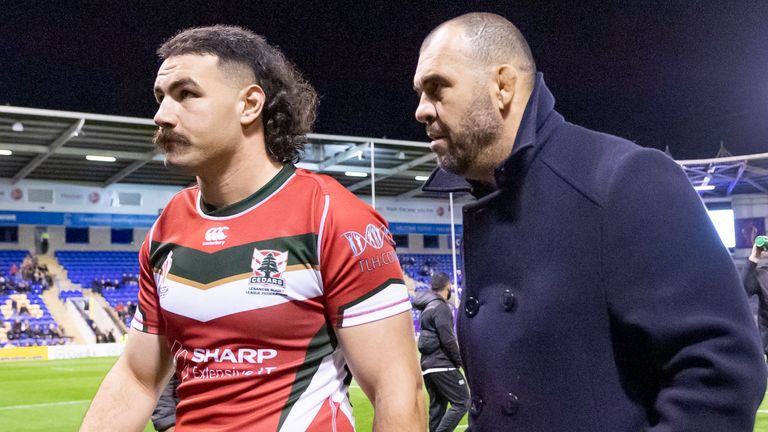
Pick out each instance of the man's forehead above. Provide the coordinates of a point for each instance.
(188, 64)
(441, 54)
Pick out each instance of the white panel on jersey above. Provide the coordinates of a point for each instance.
(233, 297)
(327, 382)
(388, 302)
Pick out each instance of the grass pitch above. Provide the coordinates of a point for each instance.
(53, 395)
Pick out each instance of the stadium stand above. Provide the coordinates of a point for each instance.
(85, 267)
(24, 317)
(109, 273)
(420, 267)
(9, 258)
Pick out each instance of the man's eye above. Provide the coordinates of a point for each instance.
(186, 94)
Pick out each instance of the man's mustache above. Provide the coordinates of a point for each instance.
(433, 131)
(164, 137)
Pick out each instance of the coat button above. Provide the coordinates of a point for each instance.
(475, 406)
(511, 404)
(471, 306)
(508, 300)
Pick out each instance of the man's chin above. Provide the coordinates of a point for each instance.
(177, 167)
(450, 165)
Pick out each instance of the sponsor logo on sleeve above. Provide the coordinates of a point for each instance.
(375, 237)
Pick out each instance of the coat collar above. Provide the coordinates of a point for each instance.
(536, 121)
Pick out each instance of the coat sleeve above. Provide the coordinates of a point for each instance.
(444, 325)
(681, 325)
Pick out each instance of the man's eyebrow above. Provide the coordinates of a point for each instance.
(428, 79)
(175, 85)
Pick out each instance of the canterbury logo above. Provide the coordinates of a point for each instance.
(215, 236)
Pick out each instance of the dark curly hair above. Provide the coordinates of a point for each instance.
(291, 102)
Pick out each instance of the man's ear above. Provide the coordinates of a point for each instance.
(253, 99)
(506, 80)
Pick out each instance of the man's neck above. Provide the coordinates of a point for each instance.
(237, 181)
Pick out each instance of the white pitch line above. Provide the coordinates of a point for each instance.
(762, 411)
(75, 402)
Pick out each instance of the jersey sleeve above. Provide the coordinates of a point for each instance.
(148, 318)
(362, 278)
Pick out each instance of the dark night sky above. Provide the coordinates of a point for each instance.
(682, 73)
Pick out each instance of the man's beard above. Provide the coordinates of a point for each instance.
(478, 130)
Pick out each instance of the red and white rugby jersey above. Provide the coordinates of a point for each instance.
(248, 297)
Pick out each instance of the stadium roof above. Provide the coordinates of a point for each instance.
(53, 145)
(726, 175)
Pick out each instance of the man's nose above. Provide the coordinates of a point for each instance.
(425, 112)
(165, 116)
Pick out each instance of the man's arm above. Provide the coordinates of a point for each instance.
(750, 272)
(130, 390)
(679, 315)
(382, 358)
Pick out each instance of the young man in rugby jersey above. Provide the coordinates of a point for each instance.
(251, 281)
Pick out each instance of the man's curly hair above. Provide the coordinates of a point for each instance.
(291, 102)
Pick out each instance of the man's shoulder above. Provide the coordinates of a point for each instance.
(422, 298)
(593, 162)
(181, 200)
(339, 199)
(324, 184)
(186, 194)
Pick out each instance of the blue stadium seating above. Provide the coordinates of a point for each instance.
(413, 264)
(43, 321)
(83, 267)
(10, 257)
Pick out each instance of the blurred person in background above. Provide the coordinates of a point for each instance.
(756, 283)
(440, 358)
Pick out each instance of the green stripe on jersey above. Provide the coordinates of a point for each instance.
(204, 268)
(321, 345)
(372, 293)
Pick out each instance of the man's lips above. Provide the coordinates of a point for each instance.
(437, 143)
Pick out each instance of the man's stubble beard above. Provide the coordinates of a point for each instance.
(479, 129)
